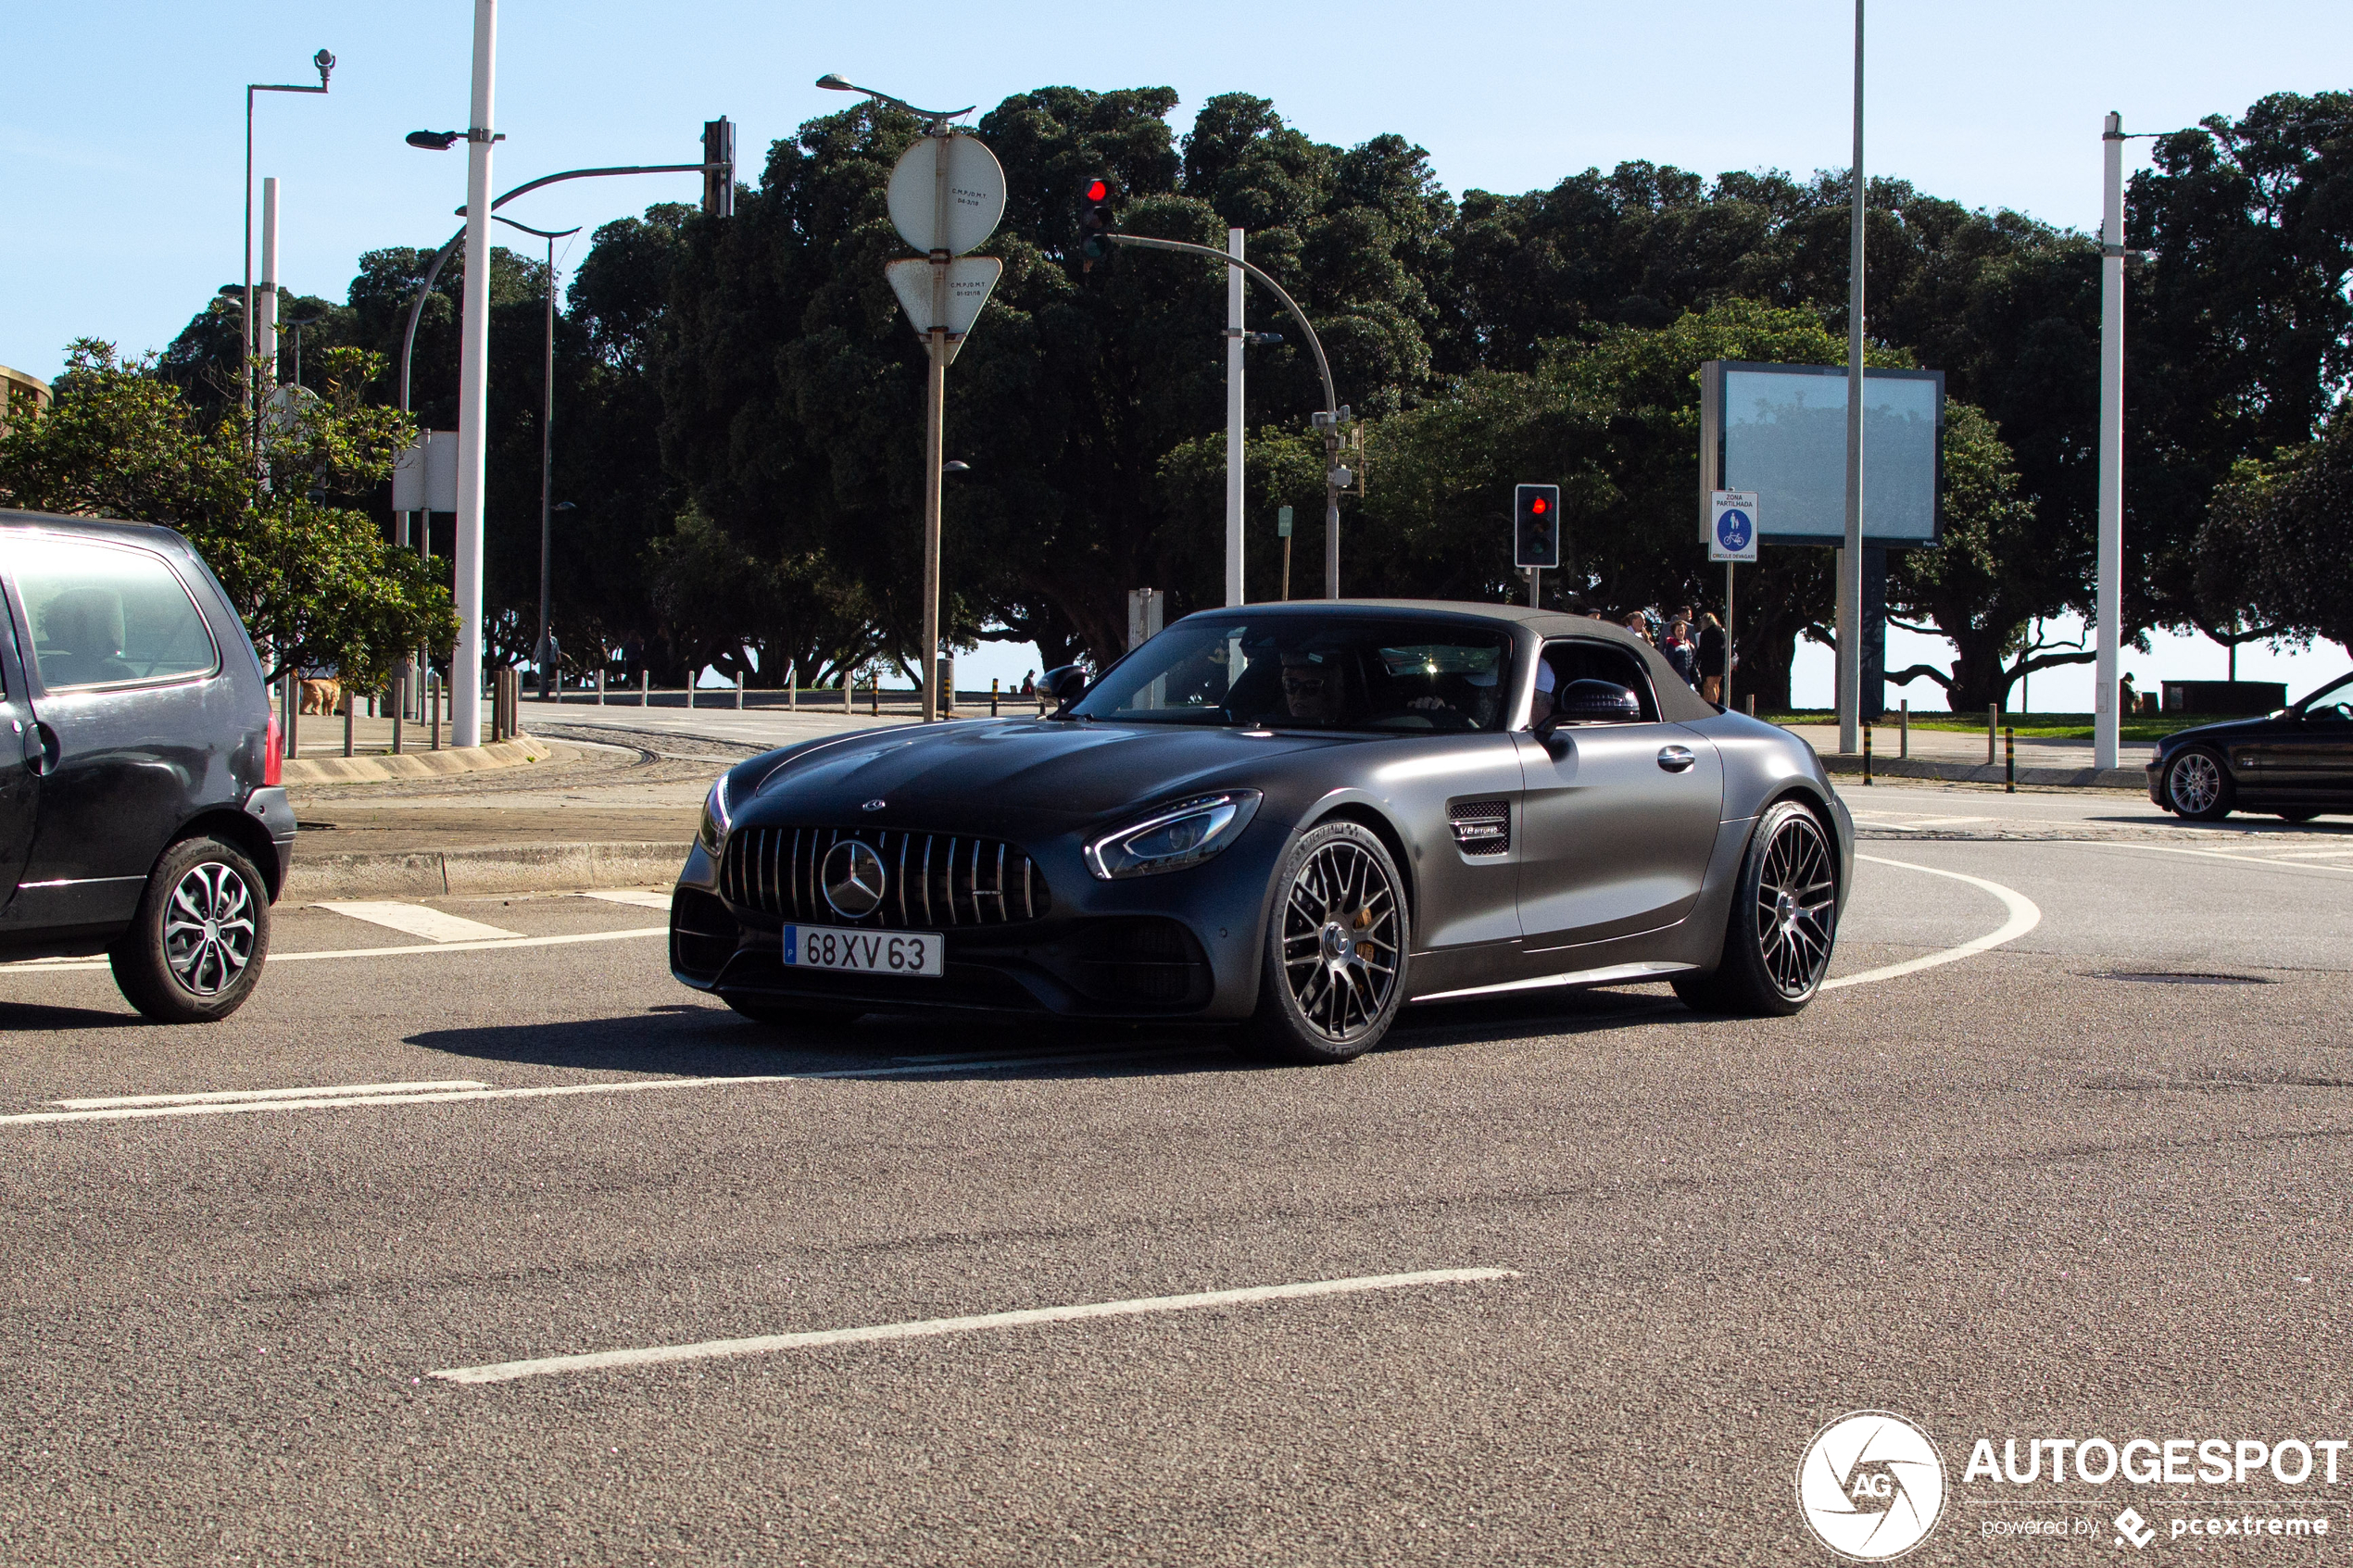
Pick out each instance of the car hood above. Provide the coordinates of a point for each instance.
(1012, 774)
(2222, 734)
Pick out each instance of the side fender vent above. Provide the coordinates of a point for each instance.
(1481, 827)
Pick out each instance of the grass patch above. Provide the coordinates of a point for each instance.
(2045, 726)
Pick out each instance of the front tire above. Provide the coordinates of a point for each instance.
(1783, 924)
(194, 950)
(2199, 785)
(1333, 974)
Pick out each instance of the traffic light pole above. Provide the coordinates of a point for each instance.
(1328, 420)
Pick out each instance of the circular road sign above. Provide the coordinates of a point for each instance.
(975, 194)
(1733, 530)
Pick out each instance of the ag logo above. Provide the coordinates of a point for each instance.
(1870, 1486)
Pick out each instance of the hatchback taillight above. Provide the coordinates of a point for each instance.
(273, 746)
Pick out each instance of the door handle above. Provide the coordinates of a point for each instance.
(41, 748)
(1675, 758)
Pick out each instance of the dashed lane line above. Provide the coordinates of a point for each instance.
(230, 1097)
(925, 1328)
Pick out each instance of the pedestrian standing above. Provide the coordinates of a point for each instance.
(1680, 653)
(1640, 624)
(1713, 647)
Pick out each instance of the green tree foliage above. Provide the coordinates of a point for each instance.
(2281, 523)
(314, 581)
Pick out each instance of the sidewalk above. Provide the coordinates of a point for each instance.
(1959, 756)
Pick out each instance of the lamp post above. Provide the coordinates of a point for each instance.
(546, 448)
(1329, 420)
(294, 324)
(470, 613)
(326, 64)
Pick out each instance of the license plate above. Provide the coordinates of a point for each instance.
(864, 952)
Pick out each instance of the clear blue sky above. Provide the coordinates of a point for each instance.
(121, 138)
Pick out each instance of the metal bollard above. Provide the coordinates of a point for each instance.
(644, 688)
(600, 687)
(1752, 705)
(792, 688)
(874, 695)
(993, 696)
(1866, 754)
(350, 710)
(1992, 726)
(739, 692)
(433, 701)
(2009, 760)
(1904, 730)
(691, 689)
(399, 707)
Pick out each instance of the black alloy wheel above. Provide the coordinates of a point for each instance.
(1783, 925)
(2199, 785)
(194, 950)
(1337, 940)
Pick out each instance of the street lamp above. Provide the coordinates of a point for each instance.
(938, 117)
(547, 449)
(326, 64)
(295, 324)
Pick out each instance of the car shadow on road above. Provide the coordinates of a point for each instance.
(32, 1017)
(703, 1041)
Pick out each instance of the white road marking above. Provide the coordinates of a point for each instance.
(342, 1099)
(925, 1328)
(2024, 917)
(632, 897)
(47, 966)
(230, 1097)
(415, 919)
(2223, 855)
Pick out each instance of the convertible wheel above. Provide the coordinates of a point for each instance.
(1336, 945)
(783, 1014)
(1784, 922)
(194, 950)
(2198, 786)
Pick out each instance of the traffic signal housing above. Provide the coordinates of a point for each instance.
(1097, 222)
(1536, 526)
(719, 184)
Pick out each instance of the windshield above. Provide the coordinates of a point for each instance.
(1319, 672)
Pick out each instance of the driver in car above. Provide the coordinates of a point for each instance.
(1313, 689)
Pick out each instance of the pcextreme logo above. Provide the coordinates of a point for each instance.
(1871, 1486)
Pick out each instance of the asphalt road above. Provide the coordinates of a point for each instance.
(2037, 1191)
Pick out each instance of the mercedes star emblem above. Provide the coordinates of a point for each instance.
(853, 876)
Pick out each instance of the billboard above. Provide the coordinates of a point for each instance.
(1780, 431)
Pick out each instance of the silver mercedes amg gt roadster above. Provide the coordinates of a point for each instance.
(1289, 819)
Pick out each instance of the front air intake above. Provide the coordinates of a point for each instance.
(931, 880)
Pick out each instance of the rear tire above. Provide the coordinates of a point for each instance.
(779, 1014)
(1333, 974)
(1784, 923)
(194, 950)
(2199, 785)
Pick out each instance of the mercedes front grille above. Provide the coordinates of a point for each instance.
(934, 879)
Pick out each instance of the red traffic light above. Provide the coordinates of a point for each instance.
(1537, 506)
(1098, 190)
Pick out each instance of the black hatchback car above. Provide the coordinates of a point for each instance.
(2296, 762)
(141, 814)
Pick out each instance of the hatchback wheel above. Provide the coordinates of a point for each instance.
(1334, 971)
(195, 948)
(2198, 786)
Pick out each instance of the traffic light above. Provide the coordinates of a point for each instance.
(1536, 525)
(1096, 220)
(719, 184)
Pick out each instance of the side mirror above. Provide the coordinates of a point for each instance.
(1065, 684)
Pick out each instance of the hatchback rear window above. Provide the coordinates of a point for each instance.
(105, 615)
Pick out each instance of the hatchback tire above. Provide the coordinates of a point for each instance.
(194, 950)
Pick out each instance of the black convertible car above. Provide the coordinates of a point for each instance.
(2296, 762)
(1290, 817)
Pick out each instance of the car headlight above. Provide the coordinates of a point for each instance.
(714, 817)
(1175, 836)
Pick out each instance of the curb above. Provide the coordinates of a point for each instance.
(2133, 779)
(414, 764)
(430, 873)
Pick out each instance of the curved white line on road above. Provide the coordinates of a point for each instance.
(2024, 917)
